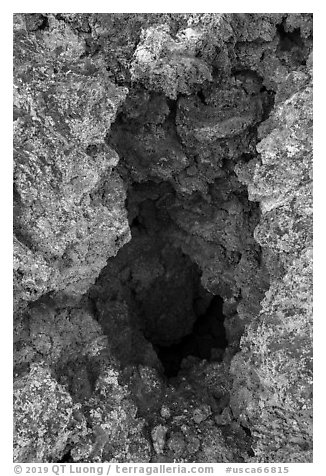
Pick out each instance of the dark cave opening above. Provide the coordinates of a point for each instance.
(169, 310)
(201, 333)
(178, 232)
(207, 340)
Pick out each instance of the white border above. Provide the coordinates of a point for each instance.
(319, 186)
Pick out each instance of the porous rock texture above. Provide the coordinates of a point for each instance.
(162, 167)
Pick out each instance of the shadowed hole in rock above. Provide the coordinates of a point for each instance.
(206, 341)
(148, 293)
(170, 316)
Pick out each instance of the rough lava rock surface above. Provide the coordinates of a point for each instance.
(69, 204)
(276, 357)
(162, 171)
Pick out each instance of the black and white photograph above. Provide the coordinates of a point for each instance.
(163, 227)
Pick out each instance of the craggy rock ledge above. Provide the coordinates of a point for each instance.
(160, 160)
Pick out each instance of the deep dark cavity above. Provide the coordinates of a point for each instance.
(207, 340)
(170, 316)
(166, 314)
